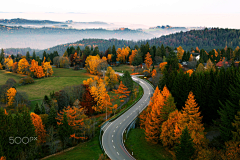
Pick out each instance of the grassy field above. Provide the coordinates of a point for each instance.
(142, 150)
(60, 79)
(88, 150)
(123, 67)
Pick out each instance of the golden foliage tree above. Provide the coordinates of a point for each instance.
(8, 62)
(11, 94)
(190, 71)
(154, 73)
(109, 58)
(154, 118)
(122, 54)
(100, 94)
(23, 66)
(170, 130)
(36, 70)
(104, 58)
(122, 92)
(191, 117)
(39, 128)
(180, 52)
(47, 68)
(200, 68)
(92, 63)
(162, 66)
(110, 78)
(210, 65)
(1, 67)
(148, 60)
(131, 57)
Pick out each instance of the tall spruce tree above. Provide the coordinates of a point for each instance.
(43, 111)
(185, 150)
(64, 131)
(127, 81)
(229, 109)
(28, 56)
(52, 117)
(34, 55)
(114, 54)
(37, 109)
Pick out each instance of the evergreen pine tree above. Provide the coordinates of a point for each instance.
(34, 55)
(64, 131)
(185, 150)
(127, 81)
(163, 51)
(229, 110)
(28, 56)
(52, 117)
(114, 54)
(37, 109)
(236, 125)
(43, 111)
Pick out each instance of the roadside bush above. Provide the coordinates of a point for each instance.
(27, 80)
(146, 73)
(77, 67)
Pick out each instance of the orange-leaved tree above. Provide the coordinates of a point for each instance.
(148, 60)
(162, 66)
(180, 52)
(36, 70)
(122, 54)
(131, 57)
(75, 118)
(122, 92)
(154, 72)
(154, 120)
(8, 62)
(47, 68)
(11, 94)
(39, 128)
(100, 94)
(155, 117)
(190, 71)
(23, 66)
(109, 58)
(15, 67)
(92, 63)
(110, 79)
(170, 131)
(191, 117)
(1, 67)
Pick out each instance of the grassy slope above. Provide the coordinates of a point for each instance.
(88, 150)
(60, 79)
(142, 150)
(123, 67)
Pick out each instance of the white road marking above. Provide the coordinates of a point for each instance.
(114, 131)
(124, 120)
(121, 123)
(117, 153)
(117, 127)
(113, 146)
(112, 140)
(112, 135)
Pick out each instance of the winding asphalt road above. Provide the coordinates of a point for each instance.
(112, 138)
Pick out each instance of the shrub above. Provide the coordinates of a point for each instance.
(27, 80)
(11, 82)
(77, 67)
(146, 73)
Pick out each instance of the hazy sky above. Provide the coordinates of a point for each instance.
(215, 13)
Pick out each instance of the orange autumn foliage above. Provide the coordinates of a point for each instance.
(162, 66)
(100, 94)
(190, 71)
(5, 112)
(122, 54)
(131, 57)
(109, 58)
(2, 158)
(180, 52)
(170, 130)
(75, 118)
(39, 128)
(154, 72)
(1, 68)
(11, 94)
(47, 68)
(23, 66)
(154, 118)
(191, 117)
(104, 58)
(37, 70)
(148, 60)
(122, 92)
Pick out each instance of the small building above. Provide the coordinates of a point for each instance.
(220, 64)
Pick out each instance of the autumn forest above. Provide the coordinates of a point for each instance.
(193, 113)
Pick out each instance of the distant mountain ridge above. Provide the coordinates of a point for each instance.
(207, 39)
(27, 21)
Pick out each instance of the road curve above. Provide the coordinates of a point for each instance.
(112, 140)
